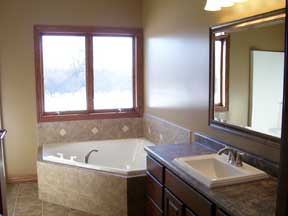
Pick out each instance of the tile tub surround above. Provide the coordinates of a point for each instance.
(22, 200)
(257, 161)
(160, 131)
(90, 191)
(86, 130)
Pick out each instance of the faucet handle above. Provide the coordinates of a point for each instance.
(231, 156)
(238, 159)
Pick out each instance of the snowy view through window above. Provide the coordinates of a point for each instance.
(113, 72)
(64, 73)
(64, 69)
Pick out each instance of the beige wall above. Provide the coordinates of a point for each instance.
(270, 38)
(17, 61)
(177, 63)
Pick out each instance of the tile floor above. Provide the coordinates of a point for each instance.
(22, 200)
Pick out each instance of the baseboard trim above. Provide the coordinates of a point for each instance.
(21, 179)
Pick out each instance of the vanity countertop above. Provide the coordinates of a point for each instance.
(256, 198)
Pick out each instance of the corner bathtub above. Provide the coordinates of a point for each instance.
(111, 183)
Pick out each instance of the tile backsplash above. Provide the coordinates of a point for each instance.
(85, 130)
(155, 129)
(160, 131)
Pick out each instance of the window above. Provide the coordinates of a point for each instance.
(88, 72)
(221, 69)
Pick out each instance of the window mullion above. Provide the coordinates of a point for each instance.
(89, 72)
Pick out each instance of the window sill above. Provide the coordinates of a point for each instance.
(221, 108)
(46, 117)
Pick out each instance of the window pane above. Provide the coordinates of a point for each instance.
(217, 65)
(64, 71)
(113, 72)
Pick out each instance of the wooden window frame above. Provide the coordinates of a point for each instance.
(223, 106)
(89, 32)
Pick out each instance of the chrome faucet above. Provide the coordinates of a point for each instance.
(88, 155)
(234, 157)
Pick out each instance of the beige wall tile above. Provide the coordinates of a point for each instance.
(85, 130)
(160, 131)
(82, 189)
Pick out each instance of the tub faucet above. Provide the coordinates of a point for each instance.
(88, 155)
(234, 157)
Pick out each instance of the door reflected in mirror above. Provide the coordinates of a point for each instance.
(247, 74)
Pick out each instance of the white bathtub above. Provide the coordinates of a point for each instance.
(122, 156)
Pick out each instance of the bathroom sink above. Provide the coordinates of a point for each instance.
(213, 170)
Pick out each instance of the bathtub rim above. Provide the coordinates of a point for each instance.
(132, 175)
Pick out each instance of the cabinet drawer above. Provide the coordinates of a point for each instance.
(192, 199)
(155, 168)
(152, 209)
(154, 190)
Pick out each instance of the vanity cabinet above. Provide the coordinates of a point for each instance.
(220, 213)
(173, 206)
(169, 195)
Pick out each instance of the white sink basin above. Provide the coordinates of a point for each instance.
(213, 170)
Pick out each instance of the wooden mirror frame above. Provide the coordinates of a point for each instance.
(273, 16)
(282, 193)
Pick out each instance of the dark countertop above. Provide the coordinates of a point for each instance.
(256, 198)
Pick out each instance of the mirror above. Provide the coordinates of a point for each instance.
(246, 75)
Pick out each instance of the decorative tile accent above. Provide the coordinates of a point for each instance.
(125, 128)
(94, 130)
(86, 130)
(160, 131)
(62, 132)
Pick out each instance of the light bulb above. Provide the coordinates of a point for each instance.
(239, 1)
(227, 3)
(212, 5)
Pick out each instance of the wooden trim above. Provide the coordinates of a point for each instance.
(89, 32)
(246, 133)
(38, 74)
(139, 76)
(89, 73)
(282, 195)
(21, 179)
(100, 30)
(87, 116)
(231, 25)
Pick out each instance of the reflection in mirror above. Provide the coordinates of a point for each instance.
(248, 71)
(221, 73)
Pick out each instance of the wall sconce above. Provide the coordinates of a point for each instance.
(216, 5)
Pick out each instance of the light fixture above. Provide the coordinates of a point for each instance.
(216, 5)
(212, 5)
(226, 3)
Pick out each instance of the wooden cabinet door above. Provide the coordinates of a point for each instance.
(152, 209)
(188, 212)
(220, 213)
(173, 207)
